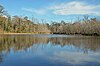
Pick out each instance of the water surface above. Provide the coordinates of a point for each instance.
(49, 50)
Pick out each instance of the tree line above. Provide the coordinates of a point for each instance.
(18, 24)
(85, 26)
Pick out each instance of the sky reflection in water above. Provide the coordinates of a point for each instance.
(55, 50)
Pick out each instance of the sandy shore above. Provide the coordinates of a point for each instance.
(20, 33)
(16, 33)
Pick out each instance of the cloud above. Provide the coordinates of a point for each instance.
(75, 8)
(37, 11)
(68, 8)
(75, 57)
(28, 9)
(40, 11)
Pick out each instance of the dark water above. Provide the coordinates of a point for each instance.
(49, 50)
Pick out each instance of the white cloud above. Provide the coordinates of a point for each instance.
(28, 9)
(37, 11)
(75, 57)
(69, 8)
(73, 8)
(40, 11)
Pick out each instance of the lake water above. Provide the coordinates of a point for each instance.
(49, 50)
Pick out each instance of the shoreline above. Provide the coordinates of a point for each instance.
(16, 33)
(21, 33)
(46, 33)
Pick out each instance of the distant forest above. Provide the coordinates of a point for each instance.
(18, 24)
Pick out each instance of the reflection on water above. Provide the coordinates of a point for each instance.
(85, 43)
(49, 50)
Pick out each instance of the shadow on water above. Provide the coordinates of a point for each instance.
(23, 43)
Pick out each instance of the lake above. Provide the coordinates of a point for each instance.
(49, 50)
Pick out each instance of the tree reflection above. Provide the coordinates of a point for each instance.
(86, 43)
(1, 57)
(20, 42)
(24, 42)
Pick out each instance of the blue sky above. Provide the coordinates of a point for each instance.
(53, 10)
